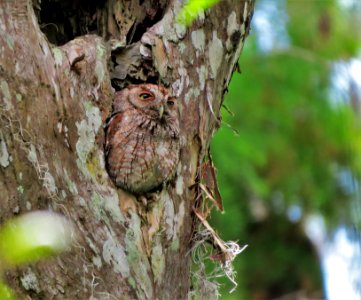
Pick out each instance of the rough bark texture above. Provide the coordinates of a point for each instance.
(54, 101)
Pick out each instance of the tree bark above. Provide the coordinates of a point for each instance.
(54, 101)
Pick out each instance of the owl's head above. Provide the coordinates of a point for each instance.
(152, 99)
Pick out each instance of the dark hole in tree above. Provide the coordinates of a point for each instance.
(62, 21)
(138, 29)
(120, 84)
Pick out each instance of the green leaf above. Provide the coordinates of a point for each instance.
(6, 293)
(33, 236)
(191, 10)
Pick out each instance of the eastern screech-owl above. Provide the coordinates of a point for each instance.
(142, 138)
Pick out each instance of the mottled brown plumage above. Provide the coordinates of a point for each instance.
(142, 138)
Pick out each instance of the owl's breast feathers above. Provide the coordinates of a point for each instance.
(141, 151)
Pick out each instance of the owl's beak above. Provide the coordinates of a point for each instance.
(161, 111)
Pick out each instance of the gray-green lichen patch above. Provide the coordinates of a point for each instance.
(182, 82)
(4, 154)
(232, 24)
(20, 189)
(32, 156)
(169, 28)
(202, 75)
(182, 47)
(137, 258)
(7, 96)
(101, 53)
(111, 204)
(132, 282)
(114, 255)
(192, 93)
(19, 98)
(70, 184)
(49, 182)
(179, 185)
(58, 56)
(81, 201)
(168, 215)
(107, 201)
(167, 20)
(180, 216)
(29, 281)
(63, 194)
(97, 206)
(87, 130)
(178, 221)
(10, 41)
(215, 54)
(180, 30)
(28, 205)
(175, 244)
(198, 39)
(158, 261)
(99, 70)
(97, 261)
(5, 89)
(232, 28)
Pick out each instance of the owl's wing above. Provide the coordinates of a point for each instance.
(111, 128)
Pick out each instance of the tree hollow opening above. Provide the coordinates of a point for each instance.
(62, 21)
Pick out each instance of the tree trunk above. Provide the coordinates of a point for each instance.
(54, 101)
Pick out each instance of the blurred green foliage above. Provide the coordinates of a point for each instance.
(297, 141)
(29, 238)
(192, 8)
(6, 293)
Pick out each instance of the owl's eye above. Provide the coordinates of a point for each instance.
(145, 96)
(170, 102)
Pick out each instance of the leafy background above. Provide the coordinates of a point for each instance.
(289, 153)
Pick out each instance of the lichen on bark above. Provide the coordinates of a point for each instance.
(57, 80)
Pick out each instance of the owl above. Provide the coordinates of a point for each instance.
(142, 138)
